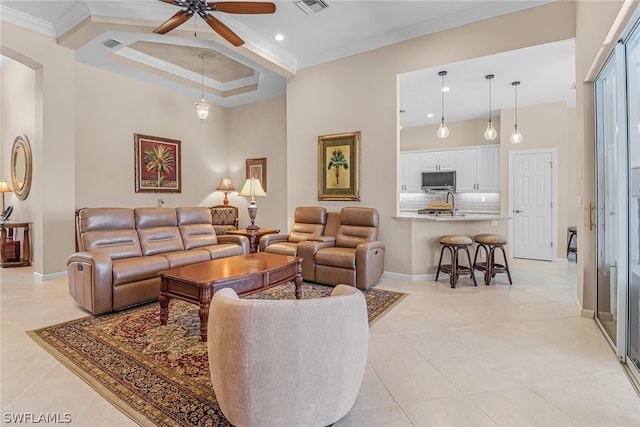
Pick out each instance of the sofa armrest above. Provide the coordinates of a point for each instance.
(238, 240)
(369, 263)
(90, 278)
(327, 240)
(269, 239)
(307, 251)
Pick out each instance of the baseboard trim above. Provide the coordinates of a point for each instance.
(411, 277)
(561, 260)
(589, 314)
(49, 276)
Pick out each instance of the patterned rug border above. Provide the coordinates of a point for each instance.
(103, 391)
(72, 358)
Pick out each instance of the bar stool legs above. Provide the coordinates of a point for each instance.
(455, 244)
(573, 232)
(489, 243)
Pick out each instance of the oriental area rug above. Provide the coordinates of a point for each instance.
(159, 375)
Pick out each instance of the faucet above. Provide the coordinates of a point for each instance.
(453, 202)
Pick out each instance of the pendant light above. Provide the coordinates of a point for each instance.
(516, 136)
(490, 133)
(443, 130)
(202, 107)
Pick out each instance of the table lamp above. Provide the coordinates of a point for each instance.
(5, 188)
(225, 185)
(252, 188)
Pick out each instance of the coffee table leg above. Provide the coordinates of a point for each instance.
(299, 279)
(203, 312)
(164, 303)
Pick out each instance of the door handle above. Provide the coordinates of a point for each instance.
(517, 211)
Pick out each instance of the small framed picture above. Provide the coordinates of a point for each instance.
(257, 168)
(157, 164)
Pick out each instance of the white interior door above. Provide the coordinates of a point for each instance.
(532, 206)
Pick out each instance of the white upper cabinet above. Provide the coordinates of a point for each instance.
(478, 170)
(411, 172)
(488, 173)
(466, 171)
(433, 161)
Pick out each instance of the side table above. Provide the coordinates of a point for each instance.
(254, 236)
(10, 253)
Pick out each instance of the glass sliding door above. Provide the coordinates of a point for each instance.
(617, 108)
(633, 115)
(607, 198)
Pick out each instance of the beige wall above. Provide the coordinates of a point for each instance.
(50, 204)
(462, 134)
(110, 110)
(254, 131)
(359, 93)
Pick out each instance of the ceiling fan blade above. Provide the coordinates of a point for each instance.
(223, 30)
(179, 18)
(242, 7)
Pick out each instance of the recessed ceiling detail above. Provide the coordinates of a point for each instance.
(216, 65)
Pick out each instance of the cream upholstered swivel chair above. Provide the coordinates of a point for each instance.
(287, 362)
(308, 221)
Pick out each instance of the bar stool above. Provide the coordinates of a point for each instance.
(454, 244)
(573, 232)
(489, 243)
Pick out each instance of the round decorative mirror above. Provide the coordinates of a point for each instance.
(21, 165)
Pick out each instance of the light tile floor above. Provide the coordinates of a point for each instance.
(488, 356)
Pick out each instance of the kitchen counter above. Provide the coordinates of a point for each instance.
(460, 216)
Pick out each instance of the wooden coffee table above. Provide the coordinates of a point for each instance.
(245, 274)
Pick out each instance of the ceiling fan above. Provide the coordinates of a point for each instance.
(202, 8)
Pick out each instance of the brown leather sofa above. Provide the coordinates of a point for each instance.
(121, 251)
(348, 251)
(307, 222)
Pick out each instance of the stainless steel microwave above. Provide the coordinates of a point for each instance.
(439, 180)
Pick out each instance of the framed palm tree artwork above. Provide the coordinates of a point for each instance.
(157, 165)
(339, 166)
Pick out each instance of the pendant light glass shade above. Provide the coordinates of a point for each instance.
(490, 133)
(443, 130)
(202, 107)
(516, 136)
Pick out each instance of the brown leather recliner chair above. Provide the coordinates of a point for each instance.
(355, 258)
(308, 221)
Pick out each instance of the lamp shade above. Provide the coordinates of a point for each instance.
(252, 188)
(4, 186)
(225, 185)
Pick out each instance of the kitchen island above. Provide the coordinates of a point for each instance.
(426, 230)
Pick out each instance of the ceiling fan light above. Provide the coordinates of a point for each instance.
(202, 109)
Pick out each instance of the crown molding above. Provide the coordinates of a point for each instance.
(27, 21)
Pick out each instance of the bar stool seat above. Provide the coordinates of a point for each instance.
(488, 243)
(454, 244)
(573, 232)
